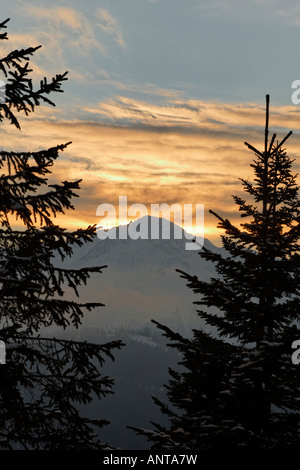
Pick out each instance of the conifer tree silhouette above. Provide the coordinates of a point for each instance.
(238, 387)
(44, 378)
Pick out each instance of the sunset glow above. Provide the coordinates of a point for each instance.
(155, 141)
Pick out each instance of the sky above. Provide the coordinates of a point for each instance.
(161, 96)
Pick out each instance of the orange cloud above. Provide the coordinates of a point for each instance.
(68, 16)
(110, 25)
(186, 158)
(194, 114)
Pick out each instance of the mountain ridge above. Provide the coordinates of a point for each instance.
(137, 250)
(140, 282)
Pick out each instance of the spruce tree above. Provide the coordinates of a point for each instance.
(45, 379)
(237, 387)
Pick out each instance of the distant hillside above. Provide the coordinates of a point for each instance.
(139, 284)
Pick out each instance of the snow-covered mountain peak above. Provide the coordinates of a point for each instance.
(148, 241)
